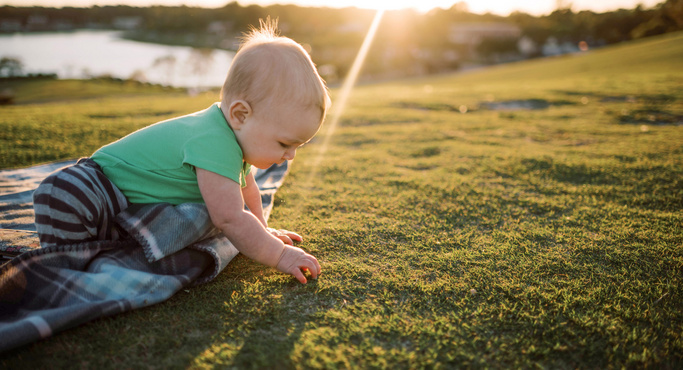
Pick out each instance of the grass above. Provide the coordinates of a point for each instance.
(544, 238)
(72, 118)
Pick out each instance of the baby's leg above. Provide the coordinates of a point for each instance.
(77, 204)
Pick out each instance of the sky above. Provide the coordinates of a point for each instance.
(501, 7)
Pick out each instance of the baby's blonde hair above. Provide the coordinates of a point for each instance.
(271, 68)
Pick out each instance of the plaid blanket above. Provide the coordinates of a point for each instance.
(44, 291)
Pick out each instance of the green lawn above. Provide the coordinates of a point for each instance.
(547, 238)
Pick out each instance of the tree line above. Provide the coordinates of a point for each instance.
(406, 38)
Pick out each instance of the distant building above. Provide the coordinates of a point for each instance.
(351, 27)
(468, 37)
(37, 22)
(62, 25)
(10, 25)
(553, 47)
(127, 23)
(473, 34)
(220, 28)
(527, 46)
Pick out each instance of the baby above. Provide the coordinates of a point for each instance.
(273, 101)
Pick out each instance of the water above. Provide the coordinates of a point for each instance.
(88, 53)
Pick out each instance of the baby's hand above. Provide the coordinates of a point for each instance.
(294, 259)
(286, 236)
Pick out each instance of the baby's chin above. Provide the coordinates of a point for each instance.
(262, 166)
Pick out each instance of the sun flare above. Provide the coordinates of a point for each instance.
(344, 93)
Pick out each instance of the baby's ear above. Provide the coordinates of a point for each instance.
(238, 112)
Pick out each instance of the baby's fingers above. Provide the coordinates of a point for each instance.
(286, 236)
(315, 268)
(299, 276)
(317, 264)
(307, 265)
(292, 235)
(285, 239)
(312, 266)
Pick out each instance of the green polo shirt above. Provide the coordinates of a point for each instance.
(157, 163)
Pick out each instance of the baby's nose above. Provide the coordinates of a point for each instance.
(289, 155)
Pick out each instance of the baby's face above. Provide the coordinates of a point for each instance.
(272, 135)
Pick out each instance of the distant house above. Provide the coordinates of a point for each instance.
(37, 22)
(351, 27)
(62, 25)
(553, 47)
(527, 46)
(127, 23)
(468, 37)
(473, 34)
(10, 25)
(219, 28)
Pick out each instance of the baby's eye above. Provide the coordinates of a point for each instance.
(283, 145)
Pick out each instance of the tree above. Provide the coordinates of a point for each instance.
(11, 67)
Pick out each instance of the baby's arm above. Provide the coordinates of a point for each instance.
(252, 198)
(224, 201)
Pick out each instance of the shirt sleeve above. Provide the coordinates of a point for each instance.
(217, 152)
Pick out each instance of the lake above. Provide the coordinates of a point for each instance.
(90, 53)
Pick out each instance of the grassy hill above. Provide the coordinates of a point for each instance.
(526, 215)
